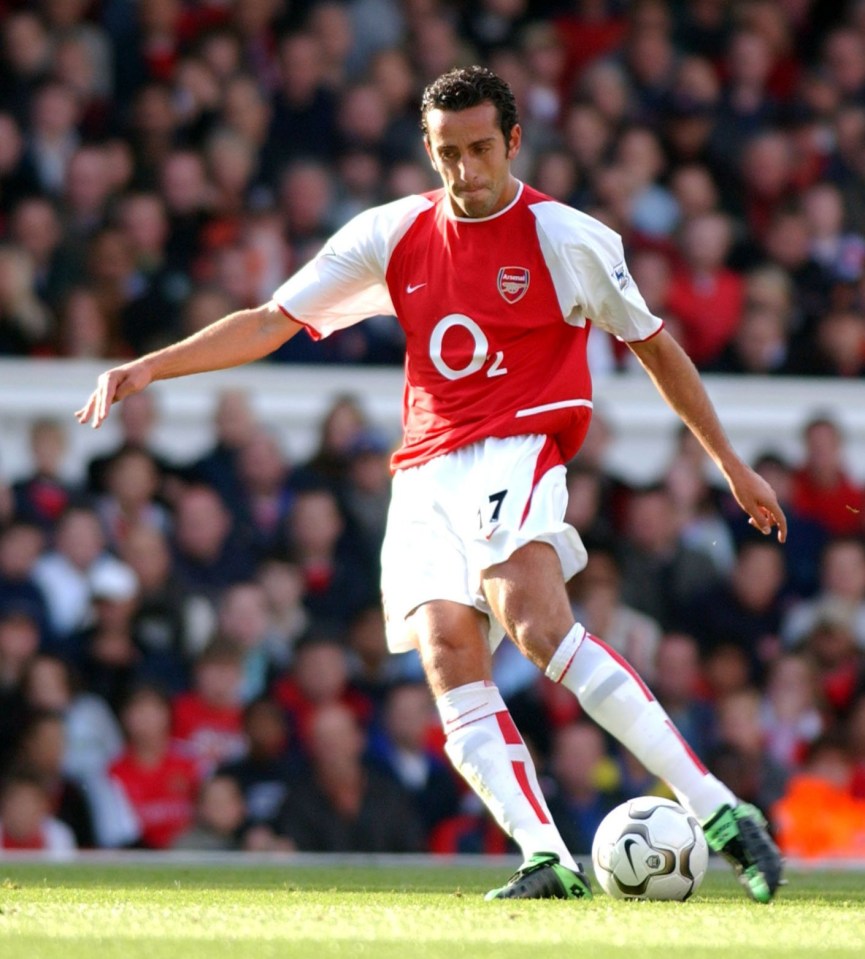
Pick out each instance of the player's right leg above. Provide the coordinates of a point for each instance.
(486, 748)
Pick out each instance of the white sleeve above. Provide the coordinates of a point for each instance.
(587, 263)
(346, 282)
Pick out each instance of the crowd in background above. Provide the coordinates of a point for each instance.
(165, 161)
(193, 654)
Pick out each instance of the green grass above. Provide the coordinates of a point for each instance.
(191, 912)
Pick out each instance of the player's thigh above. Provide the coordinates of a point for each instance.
(452, 641)
(423, 558)
(527, 595)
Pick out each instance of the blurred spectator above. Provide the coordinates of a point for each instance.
(746, 609)
(82, 326)
(132, 482)
(151, 319)
(787, 245)
(138, 416)
(53, 139)
(204, 306)
(168, 626)
(705, 288)
(208, 554)
(220, 814)
(838, 662)
(374, 670)
(365, 495)
(160, 783)
(822, 487)
(233, 420)
(760, 345)
(747, 105)
(106, 652)
(589, 507)
(19, 642)
(265, 494)
(661, 576)
(343, 804)
(583, 786)
(17, 175)
(86, 192)
(20, 546)
(43, 496)
(26, 822)
(739, 754)
(206, 721)
(696, 502)
(596, 601)
(805, 538)
(65, 573)
(93, 739)
(319, 677)
(42, 751)
(188, 198)
(839, 252)
(338, 580)
(678, 685)
(264, 772)
(25, 323)
(288, 618)
(818, 817)
(242, 622)
(654, 212)
(304, 109)
(342, 425)
(35, 227)
(842, 591)
(790, 715)
(402, 749)
(838, 347)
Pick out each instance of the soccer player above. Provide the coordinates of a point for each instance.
(496, 287)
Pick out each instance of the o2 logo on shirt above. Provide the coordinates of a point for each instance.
(513, 282)
(477, 356)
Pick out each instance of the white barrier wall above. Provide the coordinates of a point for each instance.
(758, 413)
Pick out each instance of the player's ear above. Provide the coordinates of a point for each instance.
(515, 141)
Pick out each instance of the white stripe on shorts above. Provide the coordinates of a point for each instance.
(561, 405)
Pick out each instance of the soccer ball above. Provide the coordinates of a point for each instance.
(649, 848)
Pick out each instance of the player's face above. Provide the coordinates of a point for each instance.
(468, 150)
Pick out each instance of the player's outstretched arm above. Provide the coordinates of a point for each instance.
(678, 381)
(236, 339)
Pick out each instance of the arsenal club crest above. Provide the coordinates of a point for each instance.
(513, 282)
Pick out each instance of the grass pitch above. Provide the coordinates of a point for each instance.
(157, 911)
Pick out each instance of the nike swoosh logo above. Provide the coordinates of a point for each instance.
(412, 287)
(492, 531)
(628, 844)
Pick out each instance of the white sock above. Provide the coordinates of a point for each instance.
(486, 748)
(612, 693)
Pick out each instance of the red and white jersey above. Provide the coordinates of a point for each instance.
(496, 313)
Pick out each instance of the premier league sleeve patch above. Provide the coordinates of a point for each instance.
(621, 276)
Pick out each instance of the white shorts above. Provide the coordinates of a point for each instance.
(459, 514)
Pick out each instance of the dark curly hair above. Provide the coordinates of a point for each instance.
(465, 87)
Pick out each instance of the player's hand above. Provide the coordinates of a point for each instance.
(111, 387)
(758, 500)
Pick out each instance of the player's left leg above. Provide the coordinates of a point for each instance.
(527, 595)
